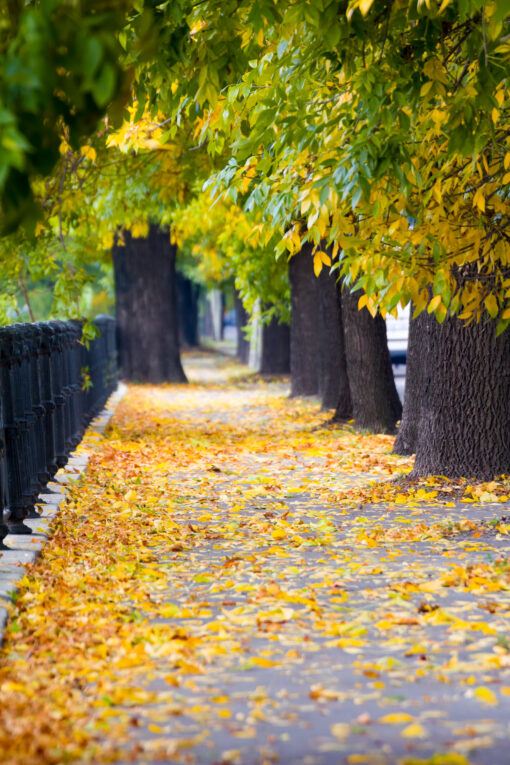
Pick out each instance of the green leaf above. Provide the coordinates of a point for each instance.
(103, 87)
(92, 55)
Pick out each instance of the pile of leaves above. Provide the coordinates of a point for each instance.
(213, 593)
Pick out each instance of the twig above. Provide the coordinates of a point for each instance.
(61, 190)
(27, 299)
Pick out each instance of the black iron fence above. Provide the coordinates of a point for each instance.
(51, 387)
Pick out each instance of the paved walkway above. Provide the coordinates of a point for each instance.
(210, 595)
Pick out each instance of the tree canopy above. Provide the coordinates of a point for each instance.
(378, 128)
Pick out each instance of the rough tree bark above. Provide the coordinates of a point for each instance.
(146, 308)
(275, 356)
(464, 427)
(416, 368)
(304, 324)
(188, 294)
(375, 401)
(333, 380)
(242, 321)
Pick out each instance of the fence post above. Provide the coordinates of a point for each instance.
(111, 349)
(4, 498)
(23, 373)
(48, 402)
(38, 410)
(58, 394)
(76, 355)
(15, 430)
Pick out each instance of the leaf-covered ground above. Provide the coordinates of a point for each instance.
(235, 582)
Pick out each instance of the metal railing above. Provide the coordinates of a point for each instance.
(51, 387)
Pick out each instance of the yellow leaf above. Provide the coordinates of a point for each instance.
(365, 6)
(434, 303)
(506, 178)
(317, 264)
(169, 611)
(129, 661)
(318, 692)
(486, 695)
(396, 718)
(305, 205)
(261, 661)
(415, 730)
(139, 230)
(372, 308)
(277, 615)
(425, 88)
(362, 301)
(479, 200)
(130, 495)
(187, 666)
(491, 304)
(13, 687)
(89, 152)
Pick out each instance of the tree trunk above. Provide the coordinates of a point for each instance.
(222, 316)
(206, 326)
(304, 325)
(417, 353)
(187, 295)
(275, 357)
(146, 308)
(375, 401)
(333, 382)
(216, 301)
(242, 321)
(464, 428)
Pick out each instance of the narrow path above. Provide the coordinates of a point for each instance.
(212, 595)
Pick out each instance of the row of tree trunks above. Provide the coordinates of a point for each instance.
(338, 352)
(146, 308)
(456, 415)
(242, 322)
(320, 359)
(304, 325)
(275, 353)
(457, 402)
(333, 381)
(375, 402)
(188, 294)
(416, 369)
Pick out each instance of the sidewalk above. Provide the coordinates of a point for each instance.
(210, 596)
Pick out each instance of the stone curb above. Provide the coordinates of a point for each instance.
(24, 549)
